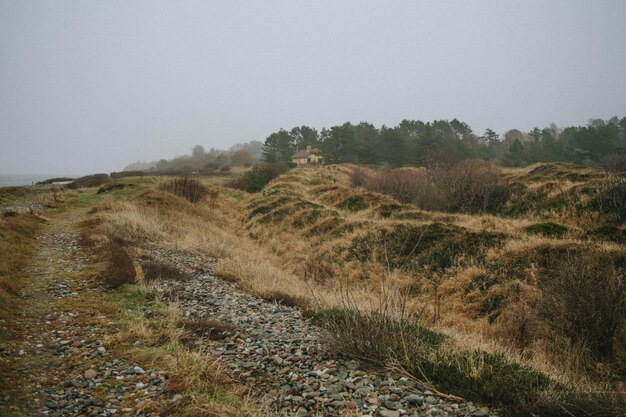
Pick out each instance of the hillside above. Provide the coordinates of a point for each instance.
(338, 290)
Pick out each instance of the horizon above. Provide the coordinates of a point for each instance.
(92, 87)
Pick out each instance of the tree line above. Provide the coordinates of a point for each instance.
(443, 142)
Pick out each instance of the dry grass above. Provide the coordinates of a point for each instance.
(289, 242)
(17, 240)
(189, 188)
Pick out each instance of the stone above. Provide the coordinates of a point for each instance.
(90, 374)
(138, 370)
(388, 413)
(102, 350)
(392, 405)
(415, 399)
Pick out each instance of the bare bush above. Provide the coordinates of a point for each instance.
(610, 199)
(586, 301)
(154, 271)
(120, 269)
(614, 163)
(410, 186)
(469, 186)
(210, 329)
(474, 186)
(188, 188)
(359, 177)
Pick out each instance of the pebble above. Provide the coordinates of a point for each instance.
(90, 374)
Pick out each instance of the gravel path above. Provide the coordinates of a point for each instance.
(58, 365)
(280, 354)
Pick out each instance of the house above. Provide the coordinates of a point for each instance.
(308, 156)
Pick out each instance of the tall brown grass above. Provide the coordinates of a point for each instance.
(186, 187)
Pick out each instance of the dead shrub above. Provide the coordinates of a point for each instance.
(156, 271)
(317, 269)
(189, 188)
(474, 186)
(470, 186)
(614, 163)
(285, 299)
(359, 177)
(212, 196)
(120, 269)
(610, 200)
(409, 186)
(585, 300)
(210, 329)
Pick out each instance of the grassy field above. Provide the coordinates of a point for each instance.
(523, 305)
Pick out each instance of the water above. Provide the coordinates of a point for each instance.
(9, 180)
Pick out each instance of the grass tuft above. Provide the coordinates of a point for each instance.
(189, 188)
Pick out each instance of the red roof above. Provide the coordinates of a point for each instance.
(301, 154)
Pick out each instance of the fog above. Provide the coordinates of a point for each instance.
(92, 86)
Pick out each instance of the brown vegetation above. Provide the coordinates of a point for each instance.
(156, 271)
(120, 269)
(469, 186)
(486, 280)
(186, 187)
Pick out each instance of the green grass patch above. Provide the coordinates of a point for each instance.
(549, 229)
(436, 246)
(431, 357)
(353, 203)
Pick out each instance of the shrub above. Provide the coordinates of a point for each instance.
(547, 229)
(95, 180)
(359, 177)
(154, 271)
(585, 300)
(353, 203)
(124, 174)
(474, 186)
(435, 246)
(383, 338)
(469, 186)
(283, 298)
(410, 186)
(259, 176)
(610, 200)
(614, 163)
(53, 180)
(609, 233)
(209, 329)
(120, 269)
(106, 188)
(186, 187)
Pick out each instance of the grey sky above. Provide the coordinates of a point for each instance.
(90, 86)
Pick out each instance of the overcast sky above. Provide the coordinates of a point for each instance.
(91, 86)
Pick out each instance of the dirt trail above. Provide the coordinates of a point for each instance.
(57, 363)
(60, 365)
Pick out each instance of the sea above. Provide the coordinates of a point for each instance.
(11, 180)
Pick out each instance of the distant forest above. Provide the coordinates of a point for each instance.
(413, 142)
(200, 160)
